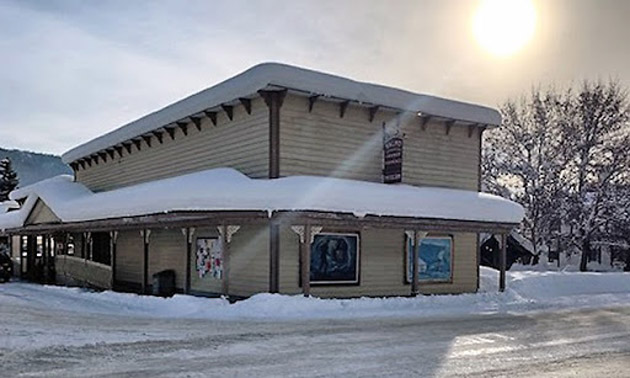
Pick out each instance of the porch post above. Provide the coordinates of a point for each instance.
(502, 257)
(226, 232)
(145, 265)
(306, 235)
(305, 261)
(188, 234)
(113, 238)
(416, 237)
(274, 256)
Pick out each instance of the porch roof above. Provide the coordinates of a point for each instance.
(227, 190)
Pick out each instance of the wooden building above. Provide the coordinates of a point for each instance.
(280, 179)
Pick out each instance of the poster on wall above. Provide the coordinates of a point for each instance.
(209, 258)
(335, 259)
(434, 259)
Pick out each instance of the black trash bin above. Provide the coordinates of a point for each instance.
(164, 283)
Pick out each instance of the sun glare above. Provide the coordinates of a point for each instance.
(503, 27)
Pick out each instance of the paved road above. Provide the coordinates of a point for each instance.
(561, 344)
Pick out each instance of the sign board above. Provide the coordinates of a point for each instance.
(392, 160)
(392, 152)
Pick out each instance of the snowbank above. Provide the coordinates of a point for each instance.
(225, 189)
(527, 291)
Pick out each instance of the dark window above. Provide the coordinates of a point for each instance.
(100, 247)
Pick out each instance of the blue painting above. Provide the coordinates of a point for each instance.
(334, 259)
(434, 259)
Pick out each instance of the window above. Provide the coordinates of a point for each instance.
(335, 259)
(434, 259)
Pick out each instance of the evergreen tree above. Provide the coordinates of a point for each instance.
(8, 179)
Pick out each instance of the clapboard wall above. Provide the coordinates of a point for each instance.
(241, 143)
(382, 265)
(323, 143)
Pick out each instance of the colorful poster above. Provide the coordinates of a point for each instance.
(335, 259)
(209, 258)
(434, 259)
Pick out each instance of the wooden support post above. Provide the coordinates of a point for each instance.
(305, 262)
(274, 257)
(225, 279)
(46, 269)
(416, 237)
(188, 234)
(113, 238)
(146, 234)
(274, 100)
(306, 235)
(226, 232)
(502, 257)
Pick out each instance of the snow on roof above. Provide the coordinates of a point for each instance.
(281, 75)
(226, 189)
(8, 205)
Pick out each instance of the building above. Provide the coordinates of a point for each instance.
(280, 179)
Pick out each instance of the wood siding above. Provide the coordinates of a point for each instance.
(324, 144)
(433, 158)
(241, 144)
(382, 266)
(249, 262)
(167, 250)
(41, 214)
(129, 257)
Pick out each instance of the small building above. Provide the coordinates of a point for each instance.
(518, 250)
(280, 179)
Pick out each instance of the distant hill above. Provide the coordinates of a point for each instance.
(32, 166)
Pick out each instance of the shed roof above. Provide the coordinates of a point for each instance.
(276, 75)
(226, 189)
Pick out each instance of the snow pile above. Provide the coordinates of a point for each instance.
(277, 76)
(527, 291)
(225, 189)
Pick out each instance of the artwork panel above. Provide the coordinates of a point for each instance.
(334, 258)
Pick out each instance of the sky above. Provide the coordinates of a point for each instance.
(72, 70)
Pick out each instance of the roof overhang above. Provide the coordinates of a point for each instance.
(182, 219)
(274, 76)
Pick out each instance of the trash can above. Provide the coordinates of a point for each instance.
(164, 283)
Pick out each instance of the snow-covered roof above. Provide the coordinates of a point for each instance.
(226, 189)
(268, 75)
(8, 205)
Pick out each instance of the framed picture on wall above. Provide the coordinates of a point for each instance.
(335, 259)
(434, 259)
(209, 258)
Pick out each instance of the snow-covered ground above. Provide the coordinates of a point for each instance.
(527, 291)
(546, 323)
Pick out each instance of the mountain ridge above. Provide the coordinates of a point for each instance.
(34, 166)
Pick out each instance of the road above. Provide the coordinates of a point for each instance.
(592, 343)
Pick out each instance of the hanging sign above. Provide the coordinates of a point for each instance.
(392, 154)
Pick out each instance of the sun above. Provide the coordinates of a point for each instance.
(503, 27)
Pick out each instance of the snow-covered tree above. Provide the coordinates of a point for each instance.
(8, 179)
(598, 137)
(565, 156)
(524, 158)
